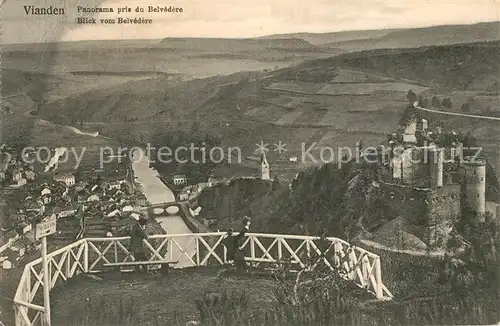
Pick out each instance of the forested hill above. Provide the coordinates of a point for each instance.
(463, 66)
(326, 199)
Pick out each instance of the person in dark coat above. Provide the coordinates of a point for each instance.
(233, 244)
(137, 235)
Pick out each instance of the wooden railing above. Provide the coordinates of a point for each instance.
(199, 249)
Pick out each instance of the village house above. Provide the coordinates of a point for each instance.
(21, 182)
(67, 178)
(179, 179)
(114, 213)
(7, 257)
(6, 240)
(184, 196)
(46, 199)
(115, 185)
(17, 175)
(45, 191)
(30, 175)
(135, 216)
(32, 205)
(96, 188)
(67, 211)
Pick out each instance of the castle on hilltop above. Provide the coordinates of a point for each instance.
(429, 178)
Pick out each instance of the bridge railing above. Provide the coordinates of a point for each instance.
(202, 249)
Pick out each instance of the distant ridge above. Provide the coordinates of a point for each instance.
(425, 36)
(400, 38)
(322, 38)
(234, 44)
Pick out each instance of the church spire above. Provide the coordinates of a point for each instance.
(264, 167)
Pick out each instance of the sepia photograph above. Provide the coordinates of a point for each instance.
(253, 163)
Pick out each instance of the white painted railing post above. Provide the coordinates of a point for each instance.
(197, 250)
(308, 248)
(116, 251)
(68, 263)
(46, 283)
(336, 254)
(280, 250)
(378, 277)
(170, 252)
(86, 256)
(252, 247)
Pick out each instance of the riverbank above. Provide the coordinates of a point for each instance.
(157, 192)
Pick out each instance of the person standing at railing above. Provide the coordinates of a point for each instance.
(137, 236)
(233, 244)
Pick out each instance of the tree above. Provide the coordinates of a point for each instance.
(447, 103)
(276, 183)
(411, 96)
(425, 103)
(466, 107)
(420, 101)
(488, 110)
(435, 102)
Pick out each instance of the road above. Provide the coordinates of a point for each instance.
(459, 114)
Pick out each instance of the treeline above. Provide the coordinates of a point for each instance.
(472, 105)
(322, 200)
(195, 164)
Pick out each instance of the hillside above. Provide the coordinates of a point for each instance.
(226, 45)
(417, 37)
(324, 38)
(464, 66)
(328, 102)
(471, 66)
(325, 199)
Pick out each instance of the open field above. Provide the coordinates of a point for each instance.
(355, 76)
(367, 89)
(345, 88)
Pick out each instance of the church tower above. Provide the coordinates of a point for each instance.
(264, 167)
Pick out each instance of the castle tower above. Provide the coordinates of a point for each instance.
(409, 137)
(475, 185)
(264, 167)
(436, 159)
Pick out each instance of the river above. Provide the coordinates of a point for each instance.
(157, 192)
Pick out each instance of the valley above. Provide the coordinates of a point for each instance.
(304, 98)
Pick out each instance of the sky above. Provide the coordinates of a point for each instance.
(237, 18)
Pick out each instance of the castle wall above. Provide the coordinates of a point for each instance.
(443, 210)
(435, 162)
(433, 210)
(405, 201)
(409, 167)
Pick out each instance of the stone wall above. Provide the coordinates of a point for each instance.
(405, 201)
(415, 169)
(443, 210)
(433, 210)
